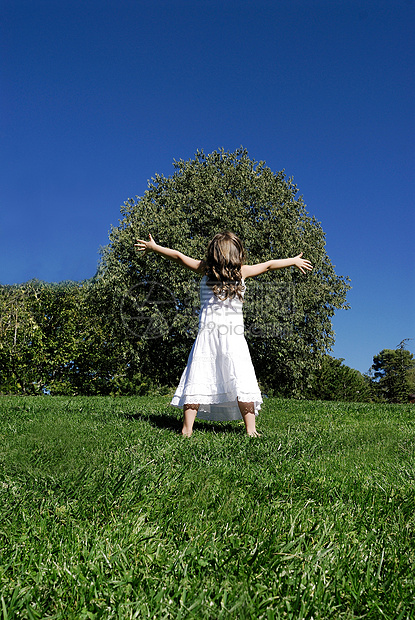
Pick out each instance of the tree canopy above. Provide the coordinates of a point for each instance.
(154, 302)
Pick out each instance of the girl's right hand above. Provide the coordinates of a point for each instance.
(145, 246)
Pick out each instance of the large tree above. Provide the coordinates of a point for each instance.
(154, 302)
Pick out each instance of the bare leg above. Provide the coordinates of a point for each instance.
(189, 415)
(248, 414)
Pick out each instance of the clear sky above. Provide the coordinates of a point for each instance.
(97, 96)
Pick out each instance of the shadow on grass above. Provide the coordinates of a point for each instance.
(172, 423)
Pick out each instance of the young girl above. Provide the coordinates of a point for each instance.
(219, 381)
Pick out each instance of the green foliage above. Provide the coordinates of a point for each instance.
(107, 512)
(392, 373)
(41, 332)
(20, 340)
(334, 381)
(58, 339)
(130, 329)
(287, 315)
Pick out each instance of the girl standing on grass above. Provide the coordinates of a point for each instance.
(219, 381)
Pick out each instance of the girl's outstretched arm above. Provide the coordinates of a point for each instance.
(174, 255)
(249, 271)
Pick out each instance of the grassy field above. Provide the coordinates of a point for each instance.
(107, 512)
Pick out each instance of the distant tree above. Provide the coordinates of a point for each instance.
(41, 328)
(59, 339)
(335, 381)
(411, 380)
(392, 371)
(152, 304)
(20, 340)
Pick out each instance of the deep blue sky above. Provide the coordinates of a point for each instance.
(98, 95)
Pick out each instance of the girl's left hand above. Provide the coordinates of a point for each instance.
(302, 264)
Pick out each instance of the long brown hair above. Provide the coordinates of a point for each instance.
(225, 257)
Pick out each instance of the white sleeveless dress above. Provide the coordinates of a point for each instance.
(219, 370)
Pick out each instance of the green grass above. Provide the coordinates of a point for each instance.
(107, 512)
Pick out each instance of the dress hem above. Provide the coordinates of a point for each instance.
(199, 399)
